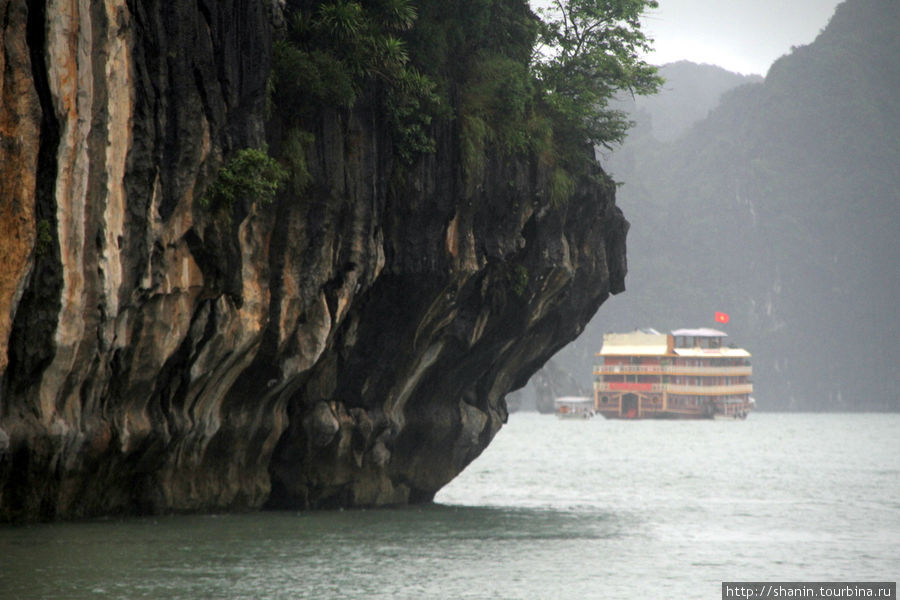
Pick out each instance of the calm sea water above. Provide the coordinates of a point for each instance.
(552, 509)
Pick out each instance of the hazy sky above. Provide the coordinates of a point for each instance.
(745, 36)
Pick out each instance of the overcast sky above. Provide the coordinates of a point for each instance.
(745, 36)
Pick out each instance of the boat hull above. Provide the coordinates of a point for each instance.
(661, 415)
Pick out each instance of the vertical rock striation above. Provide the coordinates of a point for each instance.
(20, 119)
(348, 347)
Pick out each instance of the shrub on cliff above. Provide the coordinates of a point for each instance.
(336, 52)
(251, 175)
(539, 84)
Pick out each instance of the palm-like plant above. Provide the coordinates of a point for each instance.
(397, 14)
(390, 55)
(341, 19)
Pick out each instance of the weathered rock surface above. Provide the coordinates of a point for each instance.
(350, 347)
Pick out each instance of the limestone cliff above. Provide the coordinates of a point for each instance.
(349, 346)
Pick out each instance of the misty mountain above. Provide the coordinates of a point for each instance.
(781, 208)
(690, 91)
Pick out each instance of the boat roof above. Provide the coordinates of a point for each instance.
(658, 350)
(574, 400)
(707, 352)
(700, 332)
(636, 343)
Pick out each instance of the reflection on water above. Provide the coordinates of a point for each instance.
(553, 509)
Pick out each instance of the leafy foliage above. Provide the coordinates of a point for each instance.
(251, 175)
(494, 106)
(295, 152)
(412, 104)
(588, 51)
(339, 51)
(517, 278)
(43, 238)
(306, 78)
(562, 186)
(512, 82)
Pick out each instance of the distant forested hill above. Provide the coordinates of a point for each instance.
(781, 207)
(690, 91)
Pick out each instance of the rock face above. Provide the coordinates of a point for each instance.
(348, 347)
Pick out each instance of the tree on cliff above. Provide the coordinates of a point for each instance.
(587, 52)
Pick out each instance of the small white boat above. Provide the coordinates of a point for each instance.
(574, 407)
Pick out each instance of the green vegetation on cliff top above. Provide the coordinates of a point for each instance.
(512, 81)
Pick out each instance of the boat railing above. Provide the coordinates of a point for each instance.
(628, 386)
(672, 370)
(673, 388)
(736, 388)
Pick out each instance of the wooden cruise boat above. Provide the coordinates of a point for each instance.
(685, 374)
